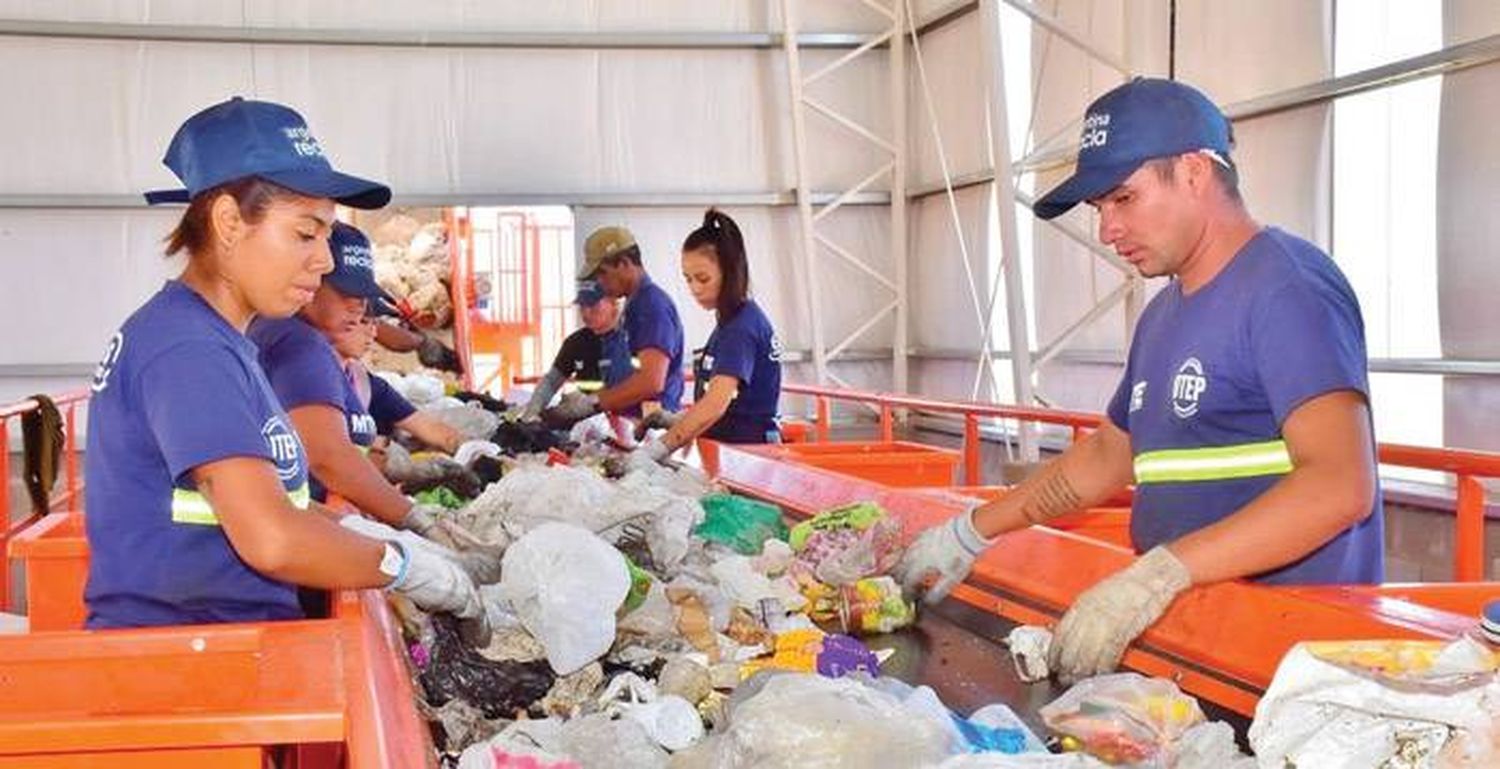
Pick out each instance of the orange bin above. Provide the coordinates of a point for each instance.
(892, 463)
(57, 566)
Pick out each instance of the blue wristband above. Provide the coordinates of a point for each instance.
(405, 564)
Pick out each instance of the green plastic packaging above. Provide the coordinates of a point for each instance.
(740, 523)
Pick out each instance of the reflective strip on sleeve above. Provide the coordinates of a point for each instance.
(193, 508)
(1216, 463)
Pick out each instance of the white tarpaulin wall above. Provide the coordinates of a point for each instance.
(91, 117)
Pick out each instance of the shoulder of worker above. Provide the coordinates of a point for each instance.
(177, 318)
(752, 320)
(1283, 267)
(271, 334)
(650, 297)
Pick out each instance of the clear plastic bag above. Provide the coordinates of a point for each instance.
(812, 722)
(565, 584)
(1124, 718)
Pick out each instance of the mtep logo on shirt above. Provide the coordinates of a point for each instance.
(1188, 387)
(107, 365)
(777, 350)
(1137, 396)
(285, 448)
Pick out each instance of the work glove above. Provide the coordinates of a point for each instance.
(542, 395)
(435, 354)
(943, 554)
(429, 578)
(432, 522)
(652, 452)
(1093, 635)
(478, 560)
(661, 419)
(574, 407)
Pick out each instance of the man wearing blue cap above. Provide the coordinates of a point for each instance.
(198, 507)
(594, 356)
(1243, 417)
(309, 379)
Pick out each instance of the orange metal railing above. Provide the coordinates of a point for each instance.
(1468, 467)
(72, 486)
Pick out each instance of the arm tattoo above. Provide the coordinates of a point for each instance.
(1052, 496)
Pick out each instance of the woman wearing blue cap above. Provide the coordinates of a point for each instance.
(596, 355)
(308, 377)
(738, 373)
(198, 507)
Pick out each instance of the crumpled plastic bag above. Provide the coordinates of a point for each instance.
(846, 544)
(993, 728)
(470, 420)
(746, 587)
(596, 741)
(1124, 718)
(669, 720)
(565, 585)
(811, 722)
(471, 450)
(740, 523)
(1023, 761)
(538, 739)
(419, 389)
(453, 670)
(1414, 704)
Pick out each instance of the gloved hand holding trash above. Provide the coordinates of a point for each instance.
(574, 407)
(941, 557)
(479, 561)
(430, 577)
(542, 395)
(661, 419)
(1092, 636)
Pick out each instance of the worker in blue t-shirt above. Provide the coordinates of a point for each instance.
(1243, 417)
(198, 508)
(595, 356)
(308, 377)
(387, 409)
(737, 375)
(651, 325)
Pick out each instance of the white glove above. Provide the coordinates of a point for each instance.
(482, 567)
(652, 452)
(944, 554)
(428, 520)
(429, 577)
(575, 407)
(660, 419)
(1093, 635)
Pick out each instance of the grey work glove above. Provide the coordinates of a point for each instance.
(432, 580)
(574, 407)
(431, 521)
(542, 395)
(479, 561)
(652, 452)
(1093, 635)
(661, 419)
(943, 554)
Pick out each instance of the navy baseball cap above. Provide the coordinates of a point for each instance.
(589, 293)
(354, 265)
(1143, 119)
(238, 138)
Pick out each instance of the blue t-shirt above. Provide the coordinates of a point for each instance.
(747, 349)
(178, 388)
(1212, 377)
(304, 370)
(387, 406)
(651, 322)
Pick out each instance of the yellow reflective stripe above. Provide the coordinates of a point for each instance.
(588, 385)
(192, 507)
(1214, 463)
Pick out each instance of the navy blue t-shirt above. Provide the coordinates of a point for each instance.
(747, 349)
(651, 322)
(387, 406)
(178, 388)
(304, 369)
(1212, 377)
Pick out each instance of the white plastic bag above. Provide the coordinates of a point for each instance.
(565, 584)
(470, 420)
(811, 722)
(599, 742)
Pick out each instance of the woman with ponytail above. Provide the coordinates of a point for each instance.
(738, 373)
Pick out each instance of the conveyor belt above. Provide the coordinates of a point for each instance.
(957, 650)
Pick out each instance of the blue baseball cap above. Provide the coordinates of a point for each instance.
(1143, 119)
(589, 293)
(237, 139)
(354, 265)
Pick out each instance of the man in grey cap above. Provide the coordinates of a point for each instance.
(1243, 415)
(651, 325)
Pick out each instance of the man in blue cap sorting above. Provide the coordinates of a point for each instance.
(594, 356)
(1243, 417)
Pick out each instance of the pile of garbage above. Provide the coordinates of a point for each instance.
(413, 265)
(643, 617)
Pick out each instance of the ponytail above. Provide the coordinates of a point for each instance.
(720, 235)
